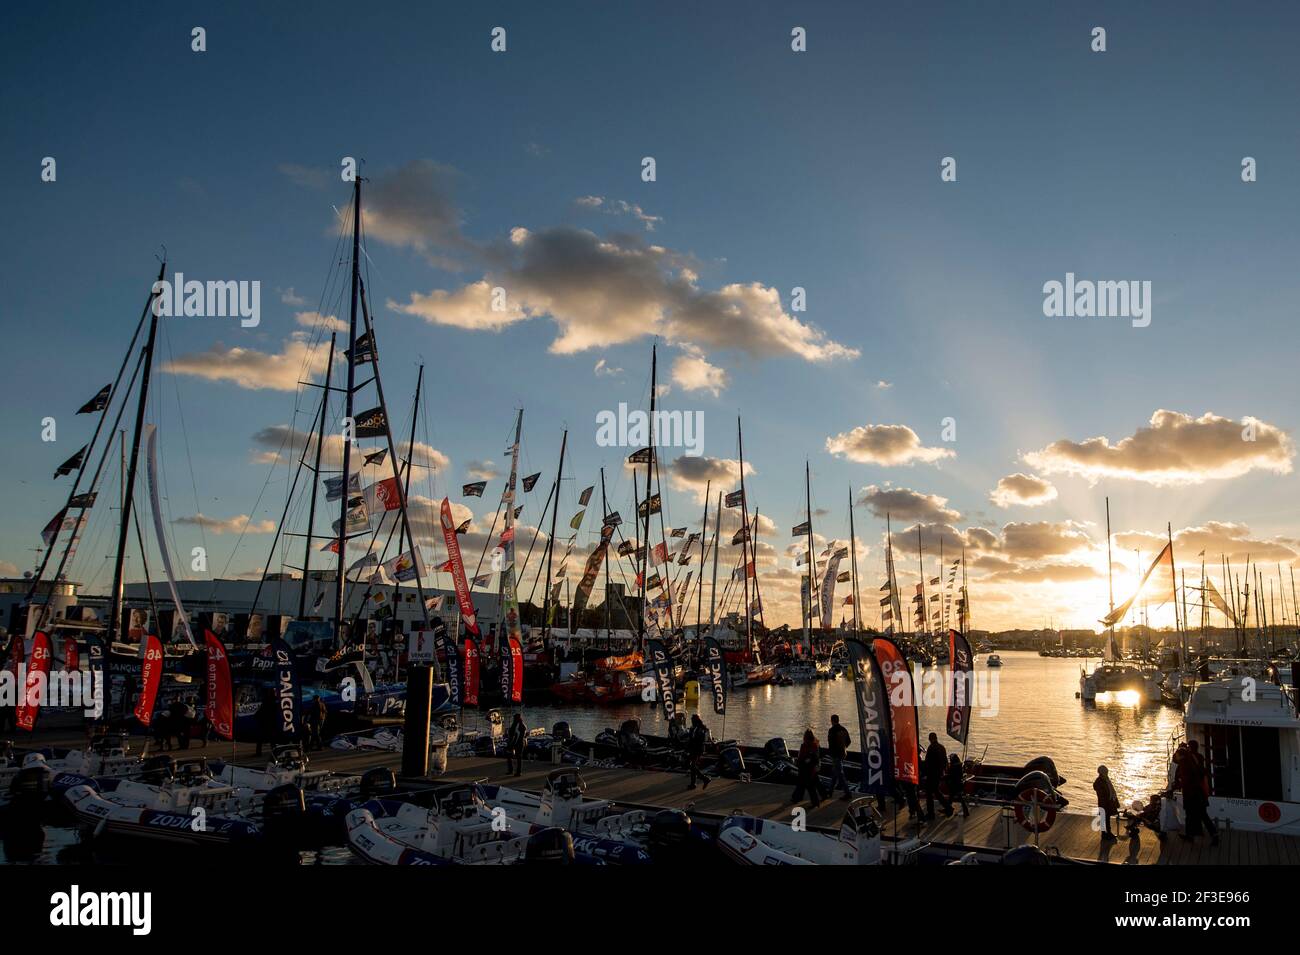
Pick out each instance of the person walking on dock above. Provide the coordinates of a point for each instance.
(1196, 794)
(838, 742)
(933, 767)
(1107, 801)
(695, 741)
(955, 778)
(516, 741)
(265, 717)
(809, 763)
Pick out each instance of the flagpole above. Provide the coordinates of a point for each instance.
(1173, 576)
(812, 561)
(550, 543)
(713, 588)
(644, 556)
(744, 539)
(311, 510)
(853, 545)
(704, 532)
(348, 409)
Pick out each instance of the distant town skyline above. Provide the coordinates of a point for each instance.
(851, 248)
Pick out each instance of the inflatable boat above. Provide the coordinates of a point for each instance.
(752, 840)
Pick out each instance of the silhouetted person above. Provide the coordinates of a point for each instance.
(809, 763)
(1107, 800)
(932, 770)
(695, 741)
(955, 777)
(838, 742)
(267, 715)
(516, 741)
(1196, 795)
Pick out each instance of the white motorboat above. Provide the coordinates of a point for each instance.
(753, 840)
(458, 827)
(1248, 733)
(993, 660)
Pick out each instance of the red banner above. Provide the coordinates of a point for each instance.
(220, 705)
(71, 655)
(516, 672)
(150, 676)
(458, 576)
(38, 671)
(470, 696)
(902, 707)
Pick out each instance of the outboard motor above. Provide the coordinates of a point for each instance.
(377, 782)
(30, 785)
(669, 836)
(630, 739)
(553, 846)
(561, 732)
(1027, 854)
(1044, 764)
(157, 770)
(731, 761)
(284, 815)
(776, 749)
(860, 833)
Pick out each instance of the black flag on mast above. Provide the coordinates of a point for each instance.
(371, 424)
(97, 403)
(72, 464)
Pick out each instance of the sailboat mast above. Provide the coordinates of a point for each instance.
(115, 613)
(644, 556)
(347, 409)
(406, 489)
(704, 533)
(609, 590)
(812, 561)
(550, 544)
(853, 551)
(315, 484)
(920, 563)
(718, 546)
(1110, 573)
(744, 537)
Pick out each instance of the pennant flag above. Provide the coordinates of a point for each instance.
(885, 602)
(371, 424)
(884, 588)
(288, 692)
(626, 548)
(843, 578)
(962, 663)
(597, 557)
(358, 518)
(334, 486)
(734, 499)
(471, 657)
(715, 667)
(661, 553)
(406, 566)
(576, 521)
(84, 501)
(741, 536)
(934, 581)
(97, 403)
(902, 709)
(692, 539)
(332, 546)
(512, 671)
(51, 530)
(434, 603)
(363, 352)
(445, 650)
(643, 456)
(653, 506)
(38, 670)
(684, 558)
(507, 536)
(375, 457)
(1212, 594)
(473, 490)
(463, 526)
(678, 532)
(445, 567)
(219, 709)
(663, 672)
(875, 729)
(800, 529)
(458, 575)
(612, 519)
(585, 496)
(151, 668)
(531, 480)
(518, 510)
(320, 598)
(362, 563)
(747, 570)
(481, 580)
(385, 495)
(72, 464)
(653, 582)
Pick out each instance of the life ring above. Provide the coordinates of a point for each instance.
(1029, 799)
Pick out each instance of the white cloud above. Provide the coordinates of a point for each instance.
(252, 369)
(1024, 489)
(885, 444)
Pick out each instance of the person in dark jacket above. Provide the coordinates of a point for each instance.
(809, 762)
(1196, 795)
(267, 717)
(1107, 801)
(955, 778)
(315, 715)
(695, 741)
(933, 767)
(838, 742)
(516, 742)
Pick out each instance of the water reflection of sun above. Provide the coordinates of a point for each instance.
(1125, 698)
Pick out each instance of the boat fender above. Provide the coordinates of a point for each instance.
(376, 782)
(552, 846)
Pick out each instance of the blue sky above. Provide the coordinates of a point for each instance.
(774, 170)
